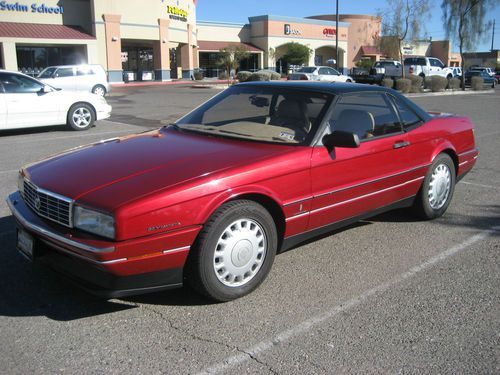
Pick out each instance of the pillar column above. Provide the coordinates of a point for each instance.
(162, 52)
(9, 57)
(187, 60)
(113, 47)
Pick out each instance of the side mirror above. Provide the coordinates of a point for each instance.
(341, 138)
(46, 89)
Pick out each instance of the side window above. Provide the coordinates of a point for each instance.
(84, 71)
(407, 116)
(368, 115)
(324, 71)
(64, 72)
(421, 61)
(14, 83)
(333, 72)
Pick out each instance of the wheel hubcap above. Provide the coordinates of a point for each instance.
(82, 117)
(239, 253)
(99, 91)
(439, 186)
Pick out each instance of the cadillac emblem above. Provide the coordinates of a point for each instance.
(38, 203)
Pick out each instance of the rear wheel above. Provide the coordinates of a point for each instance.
(99, 90)
(437, 190)
(234, 251)
(80, 116)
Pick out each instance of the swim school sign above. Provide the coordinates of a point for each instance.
(33, 8)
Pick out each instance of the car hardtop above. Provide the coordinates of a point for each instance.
(339, 89)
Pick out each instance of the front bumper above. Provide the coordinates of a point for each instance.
(103, 112)
(107, 268)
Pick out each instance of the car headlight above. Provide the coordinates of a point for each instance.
(94, 222)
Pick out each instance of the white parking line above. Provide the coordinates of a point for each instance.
(480, 185)
(311, 323)
(486, 135)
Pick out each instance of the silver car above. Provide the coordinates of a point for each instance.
(319, 73)
(90, 78)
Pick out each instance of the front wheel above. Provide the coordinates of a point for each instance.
(437, 190)
(80, 116)
(234, 251)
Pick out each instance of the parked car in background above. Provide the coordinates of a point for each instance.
(380, 70)
(490, 71)
(426, 67)
(497, 75)
(90, 78)
(257, 169)
(319, 73)
(26, 102)
(488, 80)
(456, 71)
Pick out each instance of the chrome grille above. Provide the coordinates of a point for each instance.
(48, 205)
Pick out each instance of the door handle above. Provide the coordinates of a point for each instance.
(401, 144)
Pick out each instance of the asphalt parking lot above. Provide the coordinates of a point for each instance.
(387, 295)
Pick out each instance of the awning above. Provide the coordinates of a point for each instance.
(370, 51)
(209, 46)
(41, 31)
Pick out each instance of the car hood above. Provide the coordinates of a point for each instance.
(143, 163)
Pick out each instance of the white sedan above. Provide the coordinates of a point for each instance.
(26, 102)
(319, 73)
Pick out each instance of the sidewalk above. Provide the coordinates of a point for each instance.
(173, 82)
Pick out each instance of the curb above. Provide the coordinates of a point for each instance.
(448, 93)
(167, 83)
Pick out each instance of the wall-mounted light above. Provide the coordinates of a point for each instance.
(114, 38)
(164, 41)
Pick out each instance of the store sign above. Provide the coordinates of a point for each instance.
(33, 8)
(329, 32)
(177, 13)
(290, 31)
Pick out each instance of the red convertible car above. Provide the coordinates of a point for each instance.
(257, 169)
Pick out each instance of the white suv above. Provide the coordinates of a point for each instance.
(76, 78)
(426, 66)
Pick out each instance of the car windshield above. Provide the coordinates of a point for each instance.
(46, 73)
(307, 69)
(271, 114)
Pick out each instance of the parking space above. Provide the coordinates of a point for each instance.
(390, 294)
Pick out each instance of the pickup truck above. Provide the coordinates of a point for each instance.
(380, 70)
(426, 66)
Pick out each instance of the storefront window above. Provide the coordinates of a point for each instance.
(32, 60)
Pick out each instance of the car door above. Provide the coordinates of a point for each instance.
(27, 103)
(64, 78)
(3, 108)
(348, 182)
(325, 74)
(85, 78)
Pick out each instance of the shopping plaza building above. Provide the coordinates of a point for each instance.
(162, 39)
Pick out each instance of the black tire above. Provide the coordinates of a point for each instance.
(206, 266)
(348, 80)
(99, 90)
(441, 173)
(81, 116)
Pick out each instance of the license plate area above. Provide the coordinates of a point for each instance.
(25, 244)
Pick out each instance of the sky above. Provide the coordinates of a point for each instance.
(238, 11)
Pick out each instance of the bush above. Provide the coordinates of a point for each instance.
(416, 83)
(403, 85)
(387, 82)
(454, 84)
(273, 76)
(428, 83)
(438, 84)
(243, 76)
(260, 76)
(477, 83)
(198, 75)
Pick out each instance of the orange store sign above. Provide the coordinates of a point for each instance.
(329, 32)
